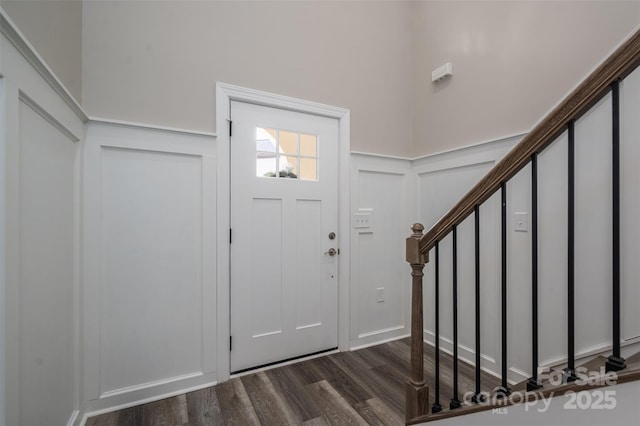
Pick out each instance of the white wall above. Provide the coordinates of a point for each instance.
(512, 62)
(54, 28)
(149, 283)
(157, 62)
(41, 144)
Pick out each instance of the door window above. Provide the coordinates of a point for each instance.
(286, 154)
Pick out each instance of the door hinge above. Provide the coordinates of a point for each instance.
(230, 343)
(229, 235)
(230, 128)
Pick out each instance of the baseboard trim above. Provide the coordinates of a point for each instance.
(73, 418)
(146, 400)
(379, 342)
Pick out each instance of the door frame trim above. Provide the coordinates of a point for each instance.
(225, 93)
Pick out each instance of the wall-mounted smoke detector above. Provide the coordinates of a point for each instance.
(442, 72)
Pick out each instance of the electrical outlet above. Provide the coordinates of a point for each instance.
(380, 294)
(521, 222)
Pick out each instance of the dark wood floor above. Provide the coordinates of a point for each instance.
(360, 387)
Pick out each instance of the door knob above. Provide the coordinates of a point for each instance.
(331, 252)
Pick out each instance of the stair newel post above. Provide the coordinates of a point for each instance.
(417, 392)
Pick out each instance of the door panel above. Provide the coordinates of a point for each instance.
(284, 192)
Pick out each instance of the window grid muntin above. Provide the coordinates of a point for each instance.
(297, 156)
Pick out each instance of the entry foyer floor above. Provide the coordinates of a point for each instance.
(362, 387)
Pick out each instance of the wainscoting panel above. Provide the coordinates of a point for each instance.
(630, 206)
(40, 142)
(442, 180)
(381, 186)
(150, 263)
(47, 160)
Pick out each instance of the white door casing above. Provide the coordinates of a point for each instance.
(225, 93)
(283, 272)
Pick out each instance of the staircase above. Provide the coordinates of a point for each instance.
(559, 127)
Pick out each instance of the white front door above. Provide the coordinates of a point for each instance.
(284, 217)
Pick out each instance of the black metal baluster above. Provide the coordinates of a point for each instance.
(478, 396)
(504, 390)
(570, 371)
(533, 382)
(436, 407)
(455, 402)
(615, 362)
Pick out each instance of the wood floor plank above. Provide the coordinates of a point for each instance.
(372, 382)
(384, 413)
(336, 410)
(203, 408)
(348, 388)
(270, 407)
(108, 419)
(130, 416)
(368, 415)
(288, 385)
(317, 421)
(235, 404)
(305, 372)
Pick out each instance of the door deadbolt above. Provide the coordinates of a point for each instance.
(332, 235)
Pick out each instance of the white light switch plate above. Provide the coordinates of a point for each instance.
(362, 219)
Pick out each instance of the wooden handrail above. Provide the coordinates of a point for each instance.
(624, 60)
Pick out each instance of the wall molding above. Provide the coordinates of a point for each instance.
(148, 385)
(379, 342)
(189, 150)
(145, 126)
(10, 30)
(146, 400)
(449, 152)
(28, 101)
(383, 331)
(258, 97)
(74, 418)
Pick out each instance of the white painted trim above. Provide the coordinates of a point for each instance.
(46, 116)
(257, 97)
(470, 362)
(383, 331)
(520, 375)
(385, 156)
(10, 30)
(452, 151)
(145, 126)
(459, 150)
(3, 236)
(225, 93)
(130, 404)
(148, 385)
(379, 342)
(449, 342)
(586, 353)
(73, 418)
